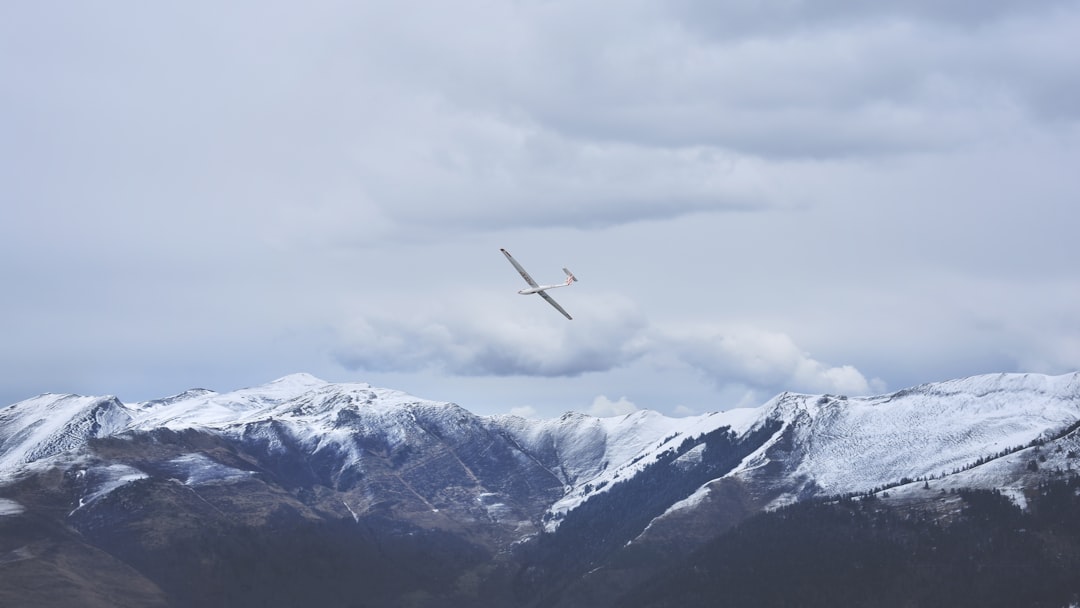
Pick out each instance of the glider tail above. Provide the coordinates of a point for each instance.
(570, 278)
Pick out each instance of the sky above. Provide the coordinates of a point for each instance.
(823, 197)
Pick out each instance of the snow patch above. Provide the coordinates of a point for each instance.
(691, 458)
(496, 509)
(1016, 495)
(355, 517)
(10, 507)
(691, 501)
(197, 469)
(103, 480)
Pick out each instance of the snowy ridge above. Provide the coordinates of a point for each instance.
(856, 444)
(301, 411)
(202, 408)
(299, 398)
(826, 444)
(49, 425)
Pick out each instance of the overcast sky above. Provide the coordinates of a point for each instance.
(828, 197)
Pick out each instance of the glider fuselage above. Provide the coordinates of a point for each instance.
(538, 289)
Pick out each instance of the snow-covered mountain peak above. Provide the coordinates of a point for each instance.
(282, 389)
(301, 380)
(297, 396)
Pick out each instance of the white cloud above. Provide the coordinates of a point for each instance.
(604, 407)
(472, 341)
(758, 358)
(609, 334)
(524, 411)
(682, 410)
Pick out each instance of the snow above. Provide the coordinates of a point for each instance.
(858, 443)
(629, 443)
(692, 457)
(583, 448)
(49, 425)
(840, 444)
(199, 470)
(496, 510)
(301, 399)
(355, 517)
(103, 480)
(691, 501)
(1016, 495)
(10, 507)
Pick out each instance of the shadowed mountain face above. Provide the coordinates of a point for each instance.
(307, 492)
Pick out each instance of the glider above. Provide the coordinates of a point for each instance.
(540, 289)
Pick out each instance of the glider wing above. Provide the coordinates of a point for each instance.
(522, 272)
(556, 305)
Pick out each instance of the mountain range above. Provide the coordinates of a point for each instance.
(306, 492)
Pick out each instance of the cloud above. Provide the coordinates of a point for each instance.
(751, 19)
(682, 410)
(350, 123)
(604, 408)
(608, 334)
(524, 411)
(524, 176)
(826, 94)
(761, 359)
(707, 159)
(462, 342)
(797, 80)
(1048, 342)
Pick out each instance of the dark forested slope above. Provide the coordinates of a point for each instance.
(868, 553)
